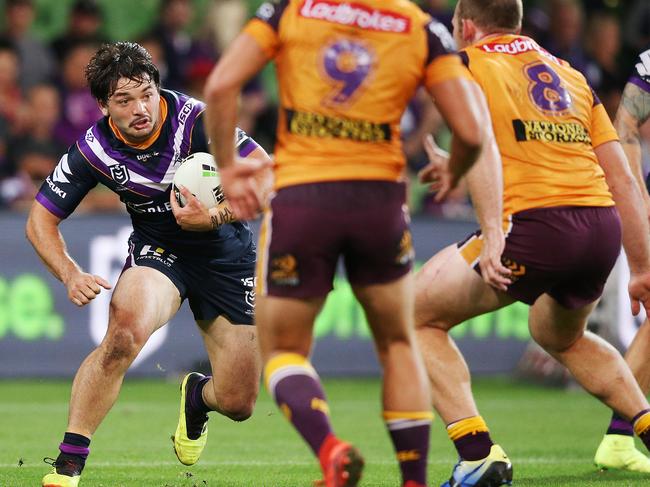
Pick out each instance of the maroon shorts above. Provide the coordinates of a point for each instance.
(309, 226)
(565, 252)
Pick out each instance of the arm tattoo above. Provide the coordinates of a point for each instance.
(633, 111)
(223, 215)
(214, 220)
(637, 102)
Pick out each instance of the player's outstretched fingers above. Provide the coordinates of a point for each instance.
(102, 282)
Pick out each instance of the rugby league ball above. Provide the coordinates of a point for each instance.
(198, 173)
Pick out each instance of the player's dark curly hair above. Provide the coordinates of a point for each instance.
(119, 60)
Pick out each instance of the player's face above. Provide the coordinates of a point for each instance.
(134, 108)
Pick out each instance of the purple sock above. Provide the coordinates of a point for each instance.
(75, 445)
(474, 446)
(620, 426)
(196, 397)
(412, 447)
(301, 398)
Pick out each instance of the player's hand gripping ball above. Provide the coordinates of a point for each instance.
(199, 174)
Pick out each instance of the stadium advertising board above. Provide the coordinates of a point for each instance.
(43, 334)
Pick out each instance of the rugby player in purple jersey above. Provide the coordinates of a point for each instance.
(617, 449)
(174, 253)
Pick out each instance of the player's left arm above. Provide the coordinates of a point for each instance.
(629, 203)
(634, 111)
(222, 91)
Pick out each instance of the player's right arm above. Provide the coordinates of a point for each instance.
(221, 93)
(462, 104)
(58, 197)
(43, 233)
(634, 111)
(460, 107)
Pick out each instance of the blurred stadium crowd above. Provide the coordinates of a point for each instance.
(45, 105)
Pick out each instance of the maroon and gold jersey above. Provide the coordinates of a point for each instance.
(346, 71)
(546, 120)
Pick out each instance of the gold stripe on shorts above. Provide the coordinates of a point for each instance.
(264, 242)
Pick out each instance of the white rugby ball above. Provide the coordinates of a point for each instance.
(198, 173)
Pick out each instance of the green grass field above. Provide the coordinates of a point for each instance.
(550, 436)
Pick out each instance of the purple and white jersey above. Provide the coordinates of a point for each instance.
(142, 178)
(641, 74)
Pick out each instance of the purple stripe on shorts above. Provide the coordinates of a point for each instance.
(644, 85)
(74, 450)
(247, 147)
(51, 207)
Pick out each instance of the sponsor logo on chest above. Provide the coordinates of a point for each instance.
(144, 158)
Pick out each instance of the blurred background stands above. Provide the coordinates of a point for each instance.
(45, 105)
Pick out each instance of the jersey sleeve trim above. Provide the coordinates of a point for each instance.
(446, 68)
(602, 129)
(51, 207)
(595, 98)
(264, 35)
(464, 57)
(247, 147)
(640, 83)
(244, 143)
(439, 40)
(271, 12)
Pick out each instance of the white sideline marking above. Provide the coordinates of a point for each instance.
(171, 463)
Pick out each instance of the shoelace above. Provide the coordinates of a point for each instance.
(71, 467)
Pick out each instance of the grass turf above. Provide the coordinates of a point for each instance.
(550, 436)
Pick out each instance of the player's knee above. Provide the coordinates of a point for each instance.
(124, 339)
(237, 409)
(553, 344)
(120, 347)
(433, 323)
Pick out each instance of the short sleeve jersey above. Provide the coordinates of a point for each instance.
(641, 74)
(546, 120)
(142, 178)
(641, 78)
(346, 71)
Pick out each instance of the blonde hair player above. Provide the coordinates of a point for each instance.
(566, 182)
